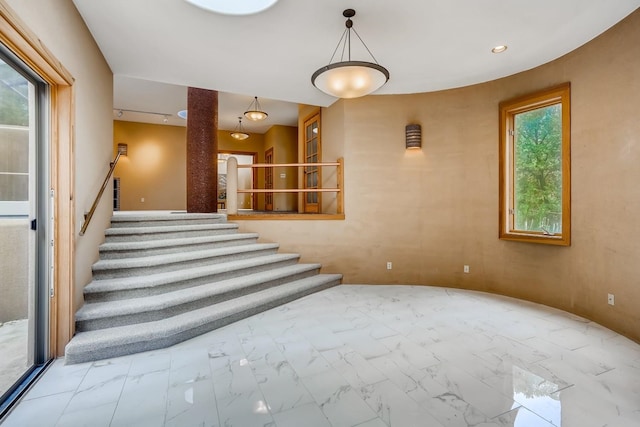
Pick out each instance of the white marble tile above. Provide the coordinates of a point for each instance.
(489, 401)
(247, 409)
(93, 394)
(366, 346)
(41, 412)
(521, 417)
(99, 416)
(192, 403)
(105, 371)
(404, 349)
(353, 367)
(414, 382)
(376, 422)
(394, 407)
(59, 379)
(367, 356)
(309, 414)
(150, 362)
(305, 359)
(143, 401)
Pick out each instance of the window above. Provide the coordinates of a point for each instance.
(535, 181)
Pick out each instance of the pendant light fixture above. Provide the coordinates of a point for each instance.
(254, 112)
(350, 79)
(239, 133)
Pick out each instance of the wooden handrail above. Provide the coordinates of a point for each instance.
(233, 190)
(290, 190)
(278, 165)
(89, 215)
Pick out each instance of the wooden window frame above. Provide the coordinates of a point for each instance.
(508, 110)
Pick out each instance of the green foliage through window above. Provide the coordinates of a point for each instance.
(535, 163)
(538, 170)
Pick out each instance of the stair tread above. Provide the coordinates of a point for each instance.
(163, 259)
(156, 279)
(98, 310)
(122, 335)
(182, 241)
(179, 216)
(120, 231)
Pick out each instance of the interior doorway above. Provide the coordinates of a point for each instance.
(247, 179)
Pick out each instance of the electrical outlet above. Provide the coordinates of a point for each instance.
(465, 269)
(389, 265)
(141, 199)
(611, 299)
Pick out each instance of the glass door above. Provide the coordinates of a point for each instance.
(23, 254)
(312, 151)
(268, 180)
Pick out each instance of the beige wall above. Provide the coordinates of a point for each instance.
(155, 166)
(284, 141)
(61, 29)
(432, 211)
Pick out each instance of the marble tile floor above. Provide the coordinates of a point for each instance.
(366, 356)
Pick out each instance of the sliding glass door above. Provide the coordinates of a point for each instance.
(24, 268)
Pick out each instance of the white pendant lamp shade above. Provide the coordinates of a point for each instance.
(255, 112)
(347, 78)
(350, 79)
(239, 133)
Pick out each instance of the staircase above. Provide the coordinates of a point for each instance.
(164, 278)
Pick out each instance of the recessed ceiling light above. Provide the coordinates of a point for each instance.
(234, 7)
(499, 49)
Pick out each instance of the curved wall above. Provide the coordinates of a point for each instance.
(430, 212)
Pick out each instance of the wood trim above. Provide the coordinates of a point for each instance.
(24, 43)
(507, 111)
(340, 179)
(276, 165)
(287, 217)
(27, 46)
(291, 190)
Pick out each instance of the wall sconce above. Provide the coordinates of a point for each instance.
(122, 149)
(413, 137)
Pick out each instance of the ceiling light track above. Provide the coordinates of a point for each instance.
(121, 112)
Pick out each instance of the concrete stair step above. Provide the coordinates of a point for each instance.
(158, 283)
(101, 315)
(125, 234)
(120, 250)
(115, 268)
(151, 219)
(123, 340)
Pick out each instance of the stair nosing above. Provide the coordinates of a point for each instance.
(178, 297)
(122, 231)
(184, 321)
(178, 241)
(104, 265)
(163, 278)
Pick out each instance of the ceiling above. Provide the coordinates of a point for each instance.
(156, 48)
